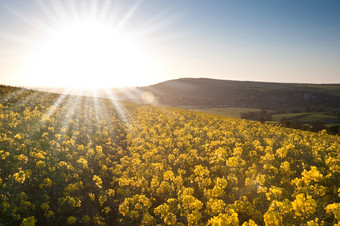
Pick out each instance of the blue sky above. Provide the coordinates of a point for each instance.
(257, 40)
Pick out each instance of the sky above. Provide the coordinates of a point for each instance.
(47, 42)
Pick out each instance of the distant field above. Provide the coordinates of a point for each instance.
(236, 113)
(278, 117)
(303, 117)
(330, 89)
(327, 87)
(227, 111)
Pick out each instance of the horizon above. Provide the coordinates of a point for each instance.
(181, 78)
(79, 90)
(118, 44)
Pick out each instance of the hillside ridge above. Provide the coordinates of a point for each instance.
(206, 92)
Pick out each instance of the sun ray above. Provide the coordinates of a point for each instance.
(26, 101)
(72, 10)
(156, 24)
(127, 93)
(104, 11)
(30, 21)
(17, 39)
(52, 16)
(95, 104)
(54, 107)
(68, 112)
(6, 98)
(122, 113)
(128, 15)
(88, 44)
(46, 115)
(26, 95)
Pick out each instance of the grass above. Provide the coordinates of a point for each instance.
(327, 87)
(303, 117)
(316, 117)
(278, 117)
(330, 89)
(236, 113)
(226, 111)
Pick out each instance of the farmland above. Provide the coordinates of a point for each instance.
(91, 161)
(234, 112)
(307, 117)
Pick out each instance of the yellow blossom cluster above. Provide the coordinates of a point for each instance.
(94, 161)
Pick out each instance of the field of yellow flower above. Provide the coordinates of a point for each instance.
(87, 161)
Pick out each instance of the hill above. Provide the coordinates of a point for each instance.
(93, 161)
(203, 92)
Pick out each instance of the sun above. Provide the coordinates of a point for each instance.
(88, 44)
(89, 54)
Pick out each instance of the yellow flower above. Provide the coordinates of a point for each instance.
(62, 163)
(92, 196)
(86, 218)
(249, 223)
(99, 149)
(110, 192)
(102, 199)
(98, 181)
(303, 205)
(23, 158)
(335, 209)
(45, 206)
(272, 218)
(29, 221)
(40, 164)
(20, 176)
(229, 218)
(71, 220)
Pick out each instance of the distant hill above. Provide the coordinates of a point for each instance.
(204, 92)
(207, 93)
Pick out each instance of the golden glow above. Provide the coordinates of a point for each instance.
(89, 54)
(84, 44)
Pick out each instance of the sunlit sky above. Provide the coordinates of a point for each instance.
(134, 43)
